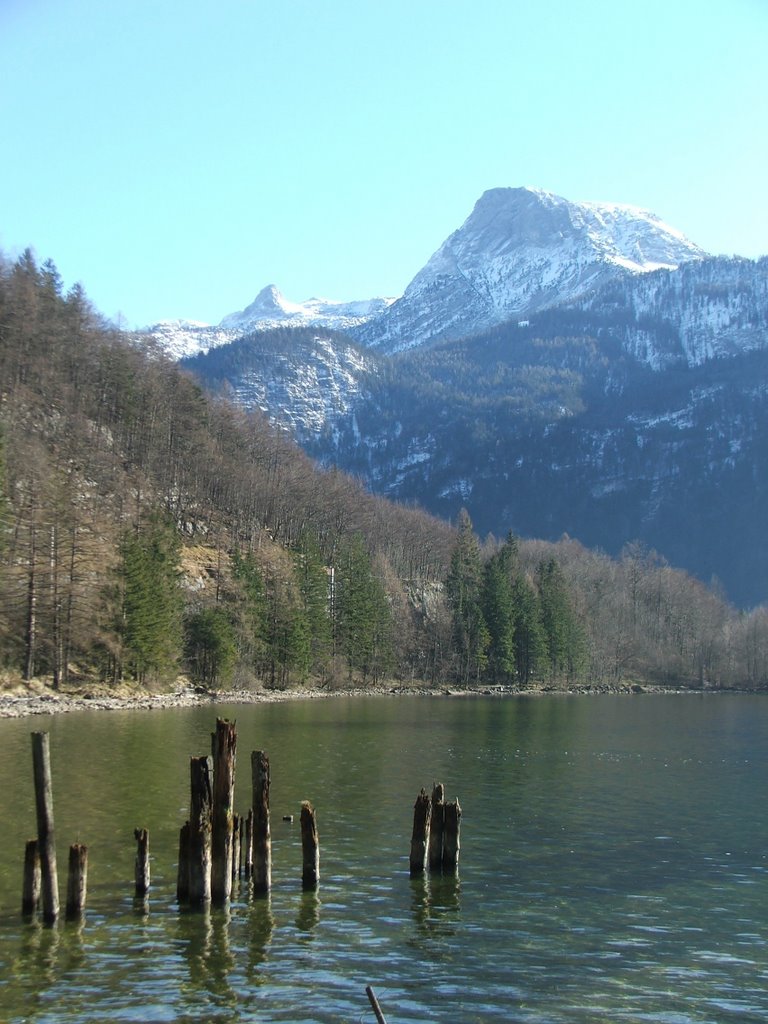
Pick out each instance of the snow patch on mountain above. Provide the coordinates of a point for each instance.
(180, 338)
(709, 309)
(306, 387)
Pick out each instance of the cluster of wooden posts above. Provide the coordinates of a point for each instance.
(436, 841)
(216, 846)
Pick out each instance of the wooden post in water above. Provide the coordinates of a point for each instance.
(375, 1005)
(225, 746)
(262, 839)
(182, 878)
(248, 854)
(77, 880)
(41, 760)
(420, 836)
(141, 835)
(310, 847)
(436, 827)
(451, 837)
(237, 845)
(200, 831)
(30, 897)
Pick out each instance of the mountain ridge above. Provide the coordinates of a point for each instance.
(520, 250)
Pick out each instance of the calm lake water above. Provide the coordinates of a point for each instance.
(613, 865)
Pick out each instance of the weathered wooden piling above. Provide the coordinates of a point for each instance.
(200, 831)
(451, 836)
(77, 880)
(30, 896)
(380, 1019)
(262, 839)
(310, 847)
(182, 878)
(248, 844)
(436, 827)
(141, 835)
(41, 760)
(225, 746)
(237, 846)
(420, 836)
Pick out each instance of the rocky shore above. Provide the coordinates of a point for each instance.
(34, 701)
(38, 699)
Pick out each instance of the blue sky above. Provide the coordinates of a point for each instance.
(177, 157)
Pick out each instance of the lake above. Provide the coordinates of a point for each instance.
(613, 865)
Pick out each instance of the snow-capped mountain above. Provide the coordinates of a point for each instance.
(555, 367)
(520, 251)
(269, 310)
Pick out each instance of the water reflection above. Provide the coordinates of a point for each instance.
(203, 939)
(436, 903)
(39, 953)
(308, 916)
(141, 908)
(46, 954)
(261, 924)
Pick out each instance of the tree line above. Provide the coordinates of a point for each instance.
(150, 530)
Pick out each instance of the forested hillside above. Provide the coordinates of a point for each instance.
(151, 531)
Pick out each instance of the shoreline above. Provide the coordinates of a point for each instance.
(36, 699)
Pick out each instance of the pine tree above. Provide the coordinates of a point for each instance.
(251, 610)
(464, 590)
(288, 644)
(500, 613)
(530, 648)
(363, 618)
(314, 587)
(151, 600)
(563, 636)
(209, 645)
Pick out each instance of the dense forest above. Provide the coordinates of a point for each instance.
(151, 531)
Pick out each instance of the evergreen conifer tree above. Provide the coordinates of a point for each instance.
(151, 599)
(314, 587)
(500, 612)
(563, 636)
(363, 618)
(464, 589)
(210, 646)
(530, 649)
(251, 610)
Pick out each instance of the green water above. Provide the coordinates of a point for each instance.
(613, 865)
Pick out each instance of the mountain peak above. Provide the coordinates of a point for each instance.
(519, 251)
(268, 303)
(270, 309)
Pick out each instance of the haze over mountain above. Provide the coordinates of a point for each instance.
(554, 367)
